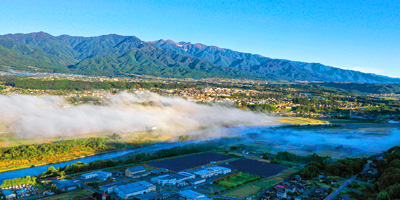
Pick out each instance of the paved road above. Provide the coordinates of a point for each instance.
(347, 182)
(344, 185)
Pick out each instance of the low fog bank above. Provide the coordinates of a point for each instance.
(50, 116)
(335, 142)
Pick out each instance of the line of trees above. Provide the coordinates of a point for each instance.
(18, 181)
(18, 156)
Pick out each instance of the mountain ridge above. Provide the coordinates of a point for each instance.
(117, 55)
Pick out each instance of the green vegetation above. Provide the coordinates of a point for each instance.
(23, 156)
(388, 184)
(343, 168)
(237, 180)
(346, 167)
(287, 156)
(18, 181)
(80, 85)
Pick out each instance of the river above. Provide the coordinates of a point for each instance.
(351, 140)
(33, 171)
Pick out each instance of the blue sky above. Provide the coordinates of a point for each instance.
(362, 35)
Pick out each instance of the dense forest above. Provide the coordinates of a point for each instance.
(388, 182)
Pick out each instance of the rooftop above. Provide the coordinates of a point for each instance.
(190, 194)
(137, 168)
(134, 187)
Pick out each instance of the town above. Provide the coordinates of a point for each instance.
(293, 100)
(233, 174)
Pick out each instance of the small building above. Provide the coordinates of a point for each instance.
(279, 187)
(203, 173)
(21, 193)
(134, 189)
(138, 175)
(173, 179)
(219, 170)
(159, 171)
(291, 189)
(101, 175)
(209, 171)
(197, 181)
(147, 196)
(281, 194)
(67, 185)
(109, 188)
(192, 195)
(134, 170)
(155, 196)
(8, 194)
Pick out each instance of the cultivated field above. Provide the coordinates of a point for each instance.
(237, 180)
(255, 167)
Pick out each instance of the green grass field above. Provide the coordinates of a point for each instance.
(237, 180)
(256, 187)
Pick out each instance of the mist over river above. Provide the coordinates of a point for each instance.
(350, 140)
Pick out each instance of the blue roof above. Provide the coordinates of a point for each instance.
(115, 184)
(134, 187)
(191, 194)
(137, 168)
(21, 191)
(8, 192)
(66, 183)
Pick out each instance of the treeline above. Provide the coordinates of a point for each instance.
(18, 156)
(343, 168)
(259, 107)
(287, 156)
(64, 84)
(365, 87)
(18, 181)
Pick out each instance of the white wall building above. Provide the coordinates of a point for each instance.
(102, 175)
(173, 179)
(209, 171)
(133, 189)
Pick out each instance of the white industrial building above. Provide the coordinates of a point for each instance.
(209, 171)
(101, 175)
(192, 195)
(173, 179)
(133, 189)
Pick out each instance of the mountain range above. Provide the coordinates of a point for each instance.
(116, 55)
